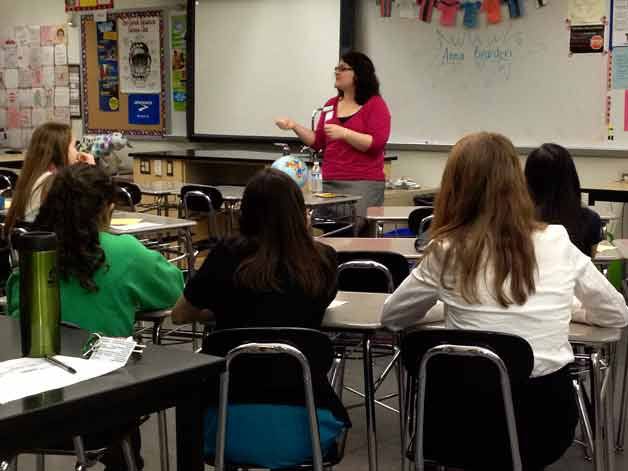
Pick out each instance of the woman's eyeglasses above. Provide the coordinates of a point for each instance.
(342, 68)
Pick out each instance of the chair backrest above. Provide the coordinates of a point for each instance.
(371, 278)
(200, 198)
(263, 378)
(128, 194)
(416, 217)
(8, 179)
(465, 408)
(426, 222)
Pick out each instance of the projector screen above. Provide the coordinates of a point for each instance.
(255, 60)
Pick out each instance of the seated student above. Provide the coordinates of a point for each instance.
(497, 268)
(51, 148)
(555, 188)
(273, 275)
(115, 275)
(104, 279)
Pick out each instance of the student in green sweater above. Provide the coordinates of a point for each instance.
(104, 279)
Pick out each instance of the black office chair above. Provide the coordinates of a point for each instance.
(417, 216)
(371, 272)
(8, 179)
(202, 201)
(263, 363)
(128, 195)
(464, 394)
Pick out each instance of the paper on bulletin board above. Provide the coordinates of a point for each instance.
(619, 35)
(620, 68)
(626, 110)
(109, 76)
(53, 34)
(178, 25)
(139, 42)
(585, 12)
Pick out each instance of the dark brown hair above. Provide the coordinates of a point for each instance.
(484, 219)
(75, 209)
(273, 218)
(49, 146)
(365, 79)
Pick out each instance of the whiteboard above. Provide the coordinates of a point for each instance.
(516, 77)
(255, 60)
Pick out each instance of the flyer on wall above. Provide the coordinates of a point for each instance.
(140, 53)
(108, 76)
(177, 46)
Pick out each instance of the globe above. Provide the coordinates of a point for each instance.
(293, 167)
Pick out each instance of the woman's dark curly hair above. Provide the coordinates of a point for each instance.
(365, 80)
(74, 209)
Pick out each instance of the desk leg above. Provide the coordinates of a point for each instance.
(623, 405)
(190, 413)
(609, 406)
(599, 450)
(369, 403)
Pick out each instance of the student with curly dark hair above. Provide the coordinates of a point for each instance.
(114, 275)
(352, 133)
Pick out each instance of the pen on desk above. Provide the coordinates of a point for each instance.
(61, 365)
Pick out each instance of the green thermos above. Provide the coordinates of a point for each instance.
(39, 294)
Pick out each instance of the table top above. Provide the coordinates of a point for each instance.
(4, 157)
(611, 186)
(401, 245)
(162, 223)
(154, 378)
(389, 213)
(233, 194)
(219, 156)
(362, 313)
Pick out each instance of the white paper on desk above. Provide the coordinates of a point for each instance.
(24, 377)
(133, 227)
(604, 247)
(336, 303)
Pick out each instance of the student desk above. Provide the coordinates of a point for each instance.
(158, 379)
(377, 216)
(158, 224)
(401, 245)
(12, 161)
(613, 191)
(362, 314)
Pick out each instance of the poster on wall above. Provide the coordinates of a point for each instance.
(109, 76)
(586, 39)
(620, 23)
(79, 5)
(177, 46)
(584, 12)
(139, 36)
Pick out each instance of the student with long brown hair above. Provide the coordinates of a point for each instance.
(51, 148)
(273, 275)
(497, 268)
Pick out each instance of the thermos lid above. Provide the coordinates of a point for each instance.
(37, 241)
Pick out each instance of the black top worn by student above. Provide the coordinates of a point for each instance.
(591, 231)
(215, 287)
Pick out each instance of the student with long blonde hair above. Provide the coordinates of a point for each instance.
(497, 268)
(52, 147)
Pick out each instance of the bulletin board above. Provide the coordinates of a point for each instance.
(136, 103)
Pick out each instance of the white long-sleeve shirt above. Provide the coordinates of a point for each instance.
(543, 320)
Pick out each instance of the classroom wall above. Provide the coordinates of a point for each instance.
(425, 167)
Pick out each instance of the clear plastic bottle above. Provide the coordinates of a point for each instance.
(316, 179)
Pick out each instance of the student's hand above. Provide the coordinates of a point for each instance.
(333, 131)
(286, 124)
(86, 158)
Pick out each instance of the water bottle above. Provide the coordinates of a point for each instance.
(39, 294)
(316, 179)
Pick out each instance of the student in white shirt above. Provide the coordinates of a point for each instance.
(51, 147)
(496, 268)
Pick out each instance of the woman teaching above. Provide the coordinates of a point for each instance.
(352, 132)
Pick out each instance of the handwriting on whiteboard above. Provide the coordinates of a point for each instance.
(495, 52)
